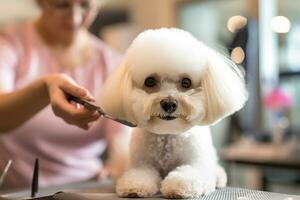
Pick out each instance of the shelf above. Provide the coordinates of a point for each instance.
(288, 74)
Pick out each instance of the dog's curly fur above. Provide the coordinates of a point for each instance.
(173, 86)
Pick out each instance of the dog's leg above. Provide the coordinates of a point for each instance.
(221, 177)
(139, 182)
(189, 182)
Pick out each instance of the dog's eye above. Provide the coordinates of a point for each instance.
(150, 82)
(186, 83)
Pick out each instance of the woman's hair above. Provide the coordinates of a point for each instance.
(97, 2)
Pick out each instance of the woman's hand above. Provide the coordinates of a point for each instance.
(59, 85)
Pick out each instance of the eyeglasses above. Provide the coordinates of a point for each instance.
(65, 7)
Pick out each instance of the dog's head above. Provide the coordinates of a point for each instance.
(169, 82)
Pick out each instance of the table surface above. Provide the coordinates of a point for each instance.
(227, 193)
(265, 154)
(103, 186)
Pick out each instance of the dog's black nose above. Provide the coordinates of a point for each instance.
(168, 105)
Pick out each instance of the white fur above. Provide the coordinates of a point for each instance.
(175, 156)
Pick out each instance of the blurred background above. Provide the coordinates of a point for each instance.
(260, 145)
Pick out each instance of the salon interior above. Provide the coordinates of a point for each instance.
(259, 146)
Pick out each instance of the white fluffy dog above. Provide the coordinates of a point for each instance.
(172, 86)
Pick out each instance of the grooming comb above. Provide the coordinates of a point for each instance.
(93, 107)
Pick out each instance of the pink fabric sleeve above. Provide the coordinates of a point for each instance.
(8, 62)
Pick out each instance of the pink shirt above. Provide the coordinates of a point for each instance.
(66, 153)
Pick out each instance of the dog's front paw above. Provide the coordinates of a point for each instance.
(221, 177)
(186, 182)
(138, 183)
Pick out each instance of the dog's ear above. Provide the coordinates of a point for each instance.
(224, 88)
(114, 98)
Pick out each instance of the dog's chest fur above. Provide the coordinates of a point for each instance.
(166, 151)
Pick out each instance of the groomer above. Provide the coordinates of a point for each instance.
(40, 62)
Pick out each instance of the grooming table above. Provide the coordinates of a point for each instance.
(228, 193)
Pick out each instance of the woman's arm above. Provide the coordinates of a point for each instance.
(19, 106)
(16, 107)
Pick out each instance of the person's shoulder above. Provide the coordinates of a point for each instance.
(103, 47)
(15, 28)
(15, 32)
(110, 57)
(105, 50)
